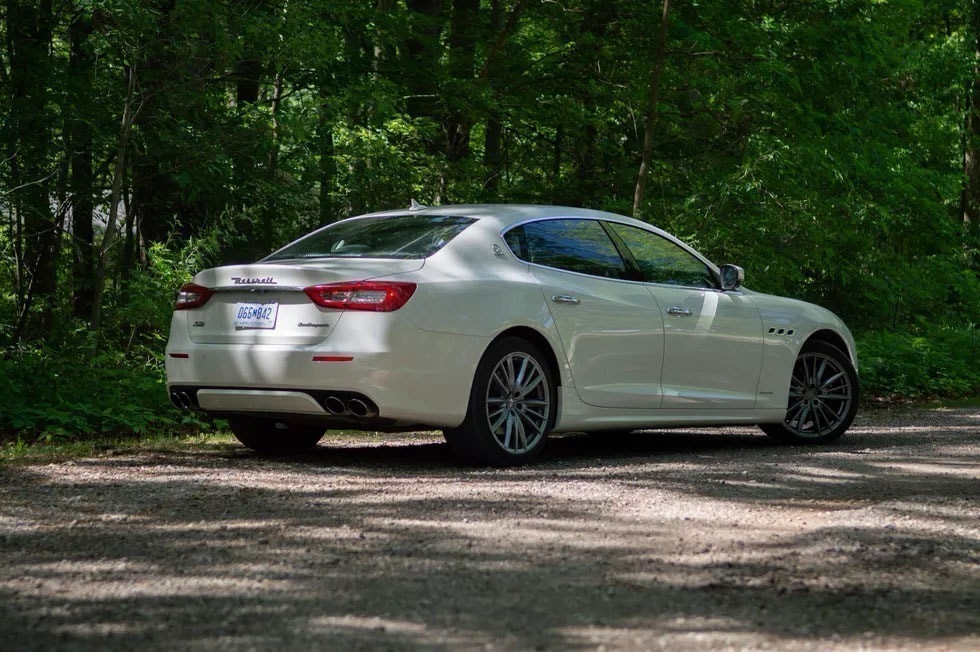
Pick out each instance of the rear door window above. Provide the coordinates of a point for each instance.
(575, 245)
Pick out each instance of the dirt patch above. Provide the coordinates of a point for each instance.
(663, 540)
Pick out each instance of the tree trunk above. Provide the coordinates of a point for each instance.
(457, 121)
(596, 21)
(154, 190)
(248, 73)
(79, 136)
(501, 26)
(970, 200)
(656, 71)
(326, 167)
(422, 50)
(129, 115)
(28, 134)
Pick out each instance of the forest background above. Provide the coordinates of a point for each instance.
(828, 146)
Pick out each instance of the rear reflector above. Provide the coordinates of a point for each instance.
(192, 295)
(373, 296)
(332, 358)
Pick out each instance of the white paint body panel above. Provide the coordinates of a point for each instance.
(621, 360)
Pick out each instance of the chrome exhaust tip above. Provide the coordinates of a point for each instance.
(361, 409)
(334, 406)
(181, 400)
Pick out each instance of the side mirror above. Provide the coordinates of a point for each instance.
(732, 277)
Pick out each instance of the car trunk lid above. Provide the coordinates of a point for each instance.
(265, 303)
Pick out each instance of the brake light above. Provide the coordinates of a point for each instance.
(192, 295)
(373, 296)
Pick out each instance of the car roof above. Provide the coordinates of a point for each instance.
(502, 216)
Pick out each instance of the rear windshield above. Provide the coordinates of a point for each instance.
(401, 236)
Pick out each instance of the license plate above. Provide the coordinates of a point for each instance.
(256, 315)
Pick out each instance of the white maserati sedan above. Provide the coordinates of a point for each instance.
(500, 324)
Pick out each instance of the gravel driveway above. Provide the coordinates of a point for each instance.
(666, 540)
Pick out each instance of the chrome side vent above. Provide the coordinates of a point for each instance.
(781, 331)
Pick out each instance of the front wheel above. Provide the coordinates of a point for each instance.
(274, 436)
(511, 408)
(823, 397)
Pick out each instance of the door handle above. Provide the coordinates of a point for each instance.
(564, 298)
(679, 311)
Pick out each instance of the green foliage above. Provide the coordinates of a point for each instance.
(80, 391)
(91, 384)
(820, 145)
(938, 362)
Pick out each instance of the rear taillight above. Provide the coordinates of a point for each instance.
(374, 296)
(192, 295)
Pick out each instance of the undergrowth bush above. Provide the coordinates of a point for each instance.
(934, 363)
(80, 391)
(111, 382)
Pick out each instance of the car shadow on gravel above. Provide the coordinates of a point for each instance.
(666, 540)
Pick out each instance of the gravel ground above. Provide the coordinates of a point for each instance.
(679, 540)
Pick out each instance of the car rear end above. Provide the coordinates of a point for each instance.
(318, 335)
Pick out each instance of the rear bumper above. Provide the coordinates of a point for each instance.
(425, 382)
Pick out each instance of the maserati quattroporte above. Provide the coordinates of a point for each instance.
(500, 324)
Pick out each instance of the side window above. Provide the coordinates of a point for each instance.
(662, 261)
(575, 245)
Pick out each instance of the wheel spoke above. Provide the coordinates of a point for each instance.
(519, 378)
(533, 419)
(521, 434)
(495, 425)
(830, 415)
(508, 431)
(816, 418)
(818, 373)
(528, 387)
(801, 421)
(793, 409)
(827, 382)
(500, 379)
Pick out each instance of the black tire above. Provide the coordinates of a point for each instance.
(512, 407)
(823, 397)
(275, 436)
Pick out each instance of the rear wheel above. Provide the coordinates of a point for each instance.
(511, 408)
(275, 436)
(823, 396)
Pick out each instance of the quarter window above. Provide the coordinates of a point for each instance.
(571, 244)
(662, 261)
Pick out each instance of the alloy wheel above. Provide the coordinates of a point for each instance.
(518, 403)
(820, 395)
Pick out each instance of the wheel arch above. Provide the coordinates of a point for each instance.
(834, 339)
(540, 341)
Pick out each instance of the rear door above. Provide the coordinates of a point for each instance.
(611, 330)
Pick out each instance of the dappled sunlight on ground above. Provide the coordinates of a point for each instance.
(655, 540)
